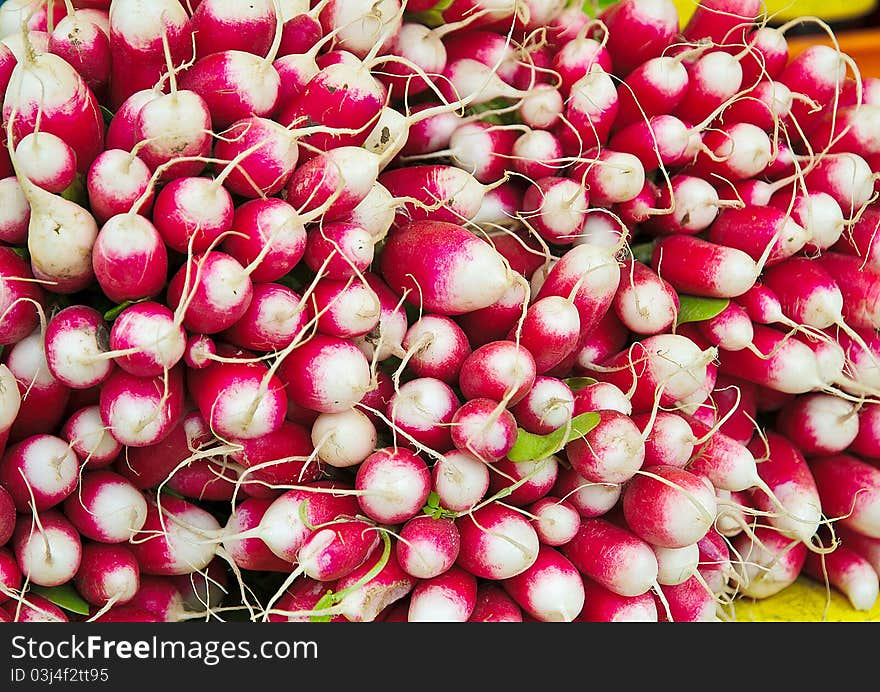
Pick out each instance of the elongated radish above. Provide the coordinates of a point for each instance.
(496, 542)
(769, 227)
(766, 561)
(449, 597)
(847, 571)
(550, 590)
(848, 488)
(723, 272)
(494, 605)
(604, 605)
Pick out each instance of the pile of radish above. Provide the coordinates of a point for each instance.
(491, 310)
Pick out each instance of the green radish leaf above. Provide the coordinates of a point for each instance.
(698, 308)
(576, 383)
(531, 447)
(76, 191)
(113, 312)
(107, 113)
(430, 18)
(21, 252)
(642, 252)
(64, 596)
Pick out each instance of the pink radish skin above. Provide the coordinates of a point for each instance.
(339, 250)
(493, 323)
(818, 423)
(694, 202)
(726, 462)
(848, 488)
(731, 329)
(204, 480)
(149, 328)
(19, 298)
(275, 316)
(541, 107)
(214, 291)
(46, 160)
(612, 452)
(300, 599)
(612, 176)
(270, 154)
(129, 258)
(437, 346)
(39, 472)
(639, 30)
(460, 480)
(655, 88)
(496, 542)
(146, 467)
(306, 386)
(589, 499)
(547, 406)
(494, 605)
(723, 272)
(603, 605)
(848, 572)
(85, 44)
(715, 566)
(859, 286)
(108, 574)
(394, 485)
(43, 398)
(421, 413)
(121, 130)
(443, 192)
(365, 602)
(242, 400)
(644, 302)
(76, 340)
(860, 238)
(536, 154)
(500, 370)
(851, 130)
(847, 177)
(268, 230)
(343, 439)
(293, 516)
(173, 542)
(525, 481)
(556, 207)
(767, 226)
(550, 590)
(423, 47)
(662, 140)
(612, 556)
(116, 181)
(362, 24)
(761, 304)
(712, 79)
(607, 336)
(670, 441)
(766, 568)
(484, 428)
(475, 275)
(866, 546)
(10, 574)
(722, 21)
(335, 181)
(769, 102)
(137, 410)
(16, 212)
(590, 111)
(345, 308)
(49, 555)
(664, 367)
(669, 516)
(386, 338)
(550, 331)
(798, 507)
(575, 58)
(106, 508)
(199, 351)
(556, 521)
(37, 609)
(7, 516)
(221, 26)
(277, 459)
(448, 597)
(738, 151)
(866, 443)
(427, 546)
(819, 74)
(768, 54)
(251, 553)
(334, 551)
(689, 601)
(483, 150)
(192, 212)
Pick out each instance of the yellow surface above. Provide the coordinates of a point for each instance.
(804, 601)
(782, 10)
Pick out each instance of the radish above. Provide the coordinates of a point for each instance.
(49, 553)
(819, 423)
(449, 597)
(731, 329)
(645, 302)
(10, 574)
(147, 339)
(10, 404)
(39, 472)
(421, 411)
(866, 443)
(612, 556)
(652, 89)
(847, 177)
(394, 485)
(34, 608)
(365, 593)
(541, 107)
(500, 370)
(325, 374)
(275, 317)
(43, 398)
(82, 38)
(76, 344)
(848, 488)
(550, 590)
(251, 553)
(693, 202)
(496, 542)
(345, 438)
(427, 546)
(860, 238)
(346, 309)
(22, 301)
(689, 601)
(556, 521)
(795, 507)
(723, 272)
(638, 30)
(669, 507)
(769, 227)
(15, 212)
(590, 111)
(766, 561)
(607, 336)
(220, 26)
(589, 499)
(46, 160)
(460, 480)
(339, 250)
(523, 482)
(200, 350)
(612, 452)
(108, 574)
(493, 323)
(436, 346)
(669, 438)
(676, 565)
(866, 546)
(474, 275)
(173, 537)
(848, 572)
(141, 411)
(728, 463)
(106, 507)
(484, 428)
(118, 181)
(603, 605)
(494, 605)
(714, 78)
(547, 406)
(191, 213)
(661, 140)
